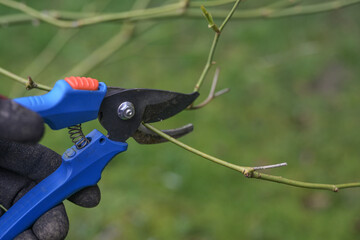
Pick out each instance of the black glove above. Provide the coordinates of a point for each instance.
(23, 164)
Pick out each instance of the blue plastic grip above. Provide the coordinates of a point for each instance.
(64, 106)
(79, 169)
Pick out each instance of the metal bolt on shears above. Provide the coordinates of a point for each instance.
(126, 110)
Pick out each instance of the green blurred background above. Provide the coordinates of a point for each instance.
(294, 98)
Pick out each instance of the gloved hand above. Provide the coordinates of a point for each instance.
(24, 163)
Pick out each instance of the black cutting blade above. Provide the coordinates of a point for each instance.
(150, 106)
(146, 136)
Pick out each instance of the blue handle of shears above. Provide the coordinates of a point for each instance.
(64, 106)
(79, 169)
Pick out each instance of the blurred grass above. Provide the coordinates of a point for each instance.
(294, 97)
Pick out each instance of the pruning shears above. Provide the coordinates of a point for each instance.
(76, 100)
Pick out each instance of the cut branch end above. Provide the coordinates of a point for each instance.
(270, 166)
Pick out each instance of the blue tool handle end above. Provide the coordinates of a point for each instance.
(65, 106)
(79, 169)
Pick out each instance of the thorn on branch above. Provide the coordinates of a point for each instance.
(211, 23)
(30, 84)
(212, 93)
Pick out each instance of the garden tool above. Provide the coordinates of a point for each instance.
(120, 111)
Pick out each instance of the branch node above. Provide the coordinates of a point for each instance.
(212, 93)
(30, 84)
(248, 172)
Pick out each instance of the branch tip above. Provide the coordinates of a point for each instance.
(209, 19)
(221, 92)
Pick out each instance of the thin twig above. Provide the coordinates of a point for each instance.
(54, 47)
(250, 172)
(29, 83)
(270, 166)
(212, 93)
(230, 14)
(16, 18)
(162, 13)
(209, 61)
(244, 170)
(295, 183)
(3, 208)
(36, 14)
(210, 3)
(283, 3)
(174, 9)
(266, 12)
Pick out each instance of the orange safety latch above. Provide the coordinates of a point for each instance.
(83, 83)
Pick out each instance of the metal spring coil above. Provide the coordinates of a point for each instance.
(77, 136)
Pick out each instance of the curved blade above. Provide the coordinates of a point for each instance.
(150, 106)
(146, 136)
(163, 104)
